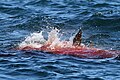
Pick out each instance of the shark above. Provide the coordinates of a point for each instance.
(76, 49)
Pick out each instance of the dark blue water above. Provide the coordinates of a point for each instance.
(99, 20)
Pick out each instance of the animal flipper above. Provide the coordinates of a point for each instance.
(78, 38)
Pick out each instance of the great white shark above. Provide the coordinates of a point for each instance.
(77, 49)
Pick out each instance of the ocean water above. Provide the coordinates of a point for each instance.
(100, 23)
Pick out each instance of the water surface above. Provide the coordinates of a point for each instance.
(99, 20)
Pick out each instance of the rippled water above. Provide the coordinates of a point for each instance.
(100, 22)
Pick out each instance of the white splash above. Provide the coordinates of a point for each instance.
(35, 40)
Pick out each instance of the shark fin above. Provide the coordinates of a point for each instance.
(78, 38)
